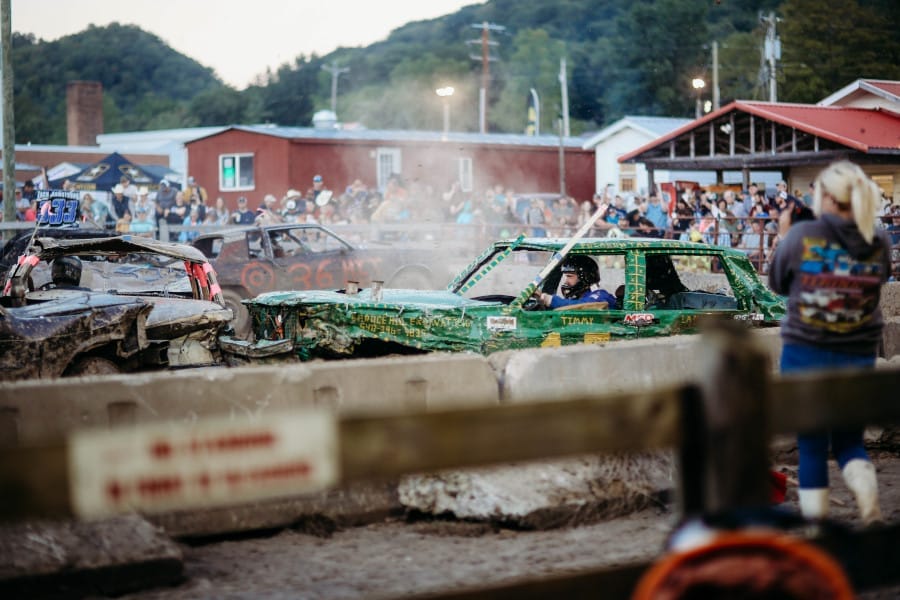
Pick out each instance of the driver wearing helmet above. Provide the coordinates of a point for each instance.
(65, 272)
(580, 274)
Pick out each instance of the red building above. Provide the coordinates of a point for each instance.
(260, 160)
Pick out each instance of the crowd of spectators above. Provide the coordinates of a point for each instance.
(746, 220)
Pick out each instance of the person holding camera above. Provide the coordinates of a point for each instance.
(832, 269)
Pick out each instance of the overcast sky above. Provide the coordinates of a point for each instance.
(237, 38)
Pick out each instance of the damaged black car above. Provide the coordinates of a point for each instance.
(109, 305)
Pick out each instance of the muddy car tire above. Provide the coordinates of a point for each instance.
(91, 365)
(241, 320)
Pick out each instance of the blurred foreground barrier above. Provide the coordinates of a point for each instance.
(35, 411)
(720, 430)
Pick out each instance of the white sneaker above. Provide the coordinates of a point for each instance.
(814, 503)
(860, 477)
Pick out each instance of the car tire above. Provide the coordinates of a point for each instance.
(411, 280)
(91, 365)
(241, 320)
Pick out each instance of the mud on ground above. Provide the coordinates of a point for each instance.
(404, 557)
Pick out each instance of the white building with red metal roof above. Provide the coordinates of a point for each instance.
(796, 140)
(866, 93)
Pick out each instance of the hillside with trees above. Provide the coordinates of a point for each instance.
(623, 57)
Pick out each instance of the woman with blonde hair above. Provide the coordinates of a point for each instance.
(832, 269)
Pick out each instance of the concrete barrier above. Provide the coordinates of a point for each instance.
(634, 365)
(891, 341)
(890, 299)
(51, 559)
(426, 382)
(890, 307)
(33, 411)
(36, 411)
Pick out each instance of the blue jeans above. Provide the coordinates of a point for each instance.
(846, 444)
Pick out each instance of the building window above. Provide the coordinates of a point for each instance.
(465, 173)
(387, 163)
(236, 172)
(627, 176)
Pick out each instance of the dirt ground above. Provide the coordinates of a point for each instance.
(402, 558)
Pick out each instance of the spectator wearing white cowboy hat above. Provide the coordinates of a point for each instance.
(267, 212)
(142, 200)
(291, 194)
(119, 206)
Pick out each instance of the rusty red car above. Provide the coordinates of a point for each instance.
(285, 257)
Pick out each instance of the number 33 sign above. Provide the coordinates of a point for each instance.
(58, 211)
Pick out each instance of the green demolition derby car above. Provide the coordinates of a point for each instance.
(662, 287)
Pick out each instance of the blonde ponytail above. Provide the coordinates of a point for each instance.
(850, 187)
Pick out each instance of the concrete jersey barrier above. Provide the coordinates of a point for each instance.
(629, 366)
(37, 410)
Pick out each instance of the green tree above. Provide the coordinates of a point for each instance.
(739, 67)
(825, 50)
(534, 63)
(141, 76)
(288, 98)
(219, 107)
(656, 49)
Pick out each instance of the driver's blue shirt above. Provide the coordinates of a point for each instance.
(587, 296)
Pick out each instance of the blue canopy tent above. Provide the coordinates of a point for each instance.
(105, 174)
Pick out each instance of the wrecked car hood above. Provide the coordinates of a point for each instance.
(39, 340)
(53, 247)
(439, 299)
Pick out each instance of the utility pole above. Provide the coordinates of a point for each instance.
(564, 95)
(771, 53)
(336, 72)
(562, 157)
(485, 59)
(9, 130)
(715, 75)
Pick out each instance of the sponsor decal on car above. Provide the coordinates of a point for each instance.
(597, 338)
(501, 323)
(749, 317)
(639, 319)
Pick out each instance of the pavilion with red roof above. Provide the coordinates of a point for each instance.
(796, 139)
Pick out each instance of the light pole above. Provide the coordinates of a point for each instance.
(445, 93)
(698, 85)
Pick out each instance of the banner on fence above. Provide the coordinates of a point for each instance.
(162, 467)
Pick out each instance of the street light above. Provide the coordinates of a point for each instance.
(698, 85)
(445, 93)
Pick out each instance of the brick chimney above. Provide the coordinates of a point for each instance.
(84, 112)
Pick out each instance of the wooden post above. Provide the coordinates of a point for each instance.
(691, 452)
(9, 129)
(735, 389)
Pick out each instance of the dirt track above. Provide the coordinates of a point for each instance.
(400, 558)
